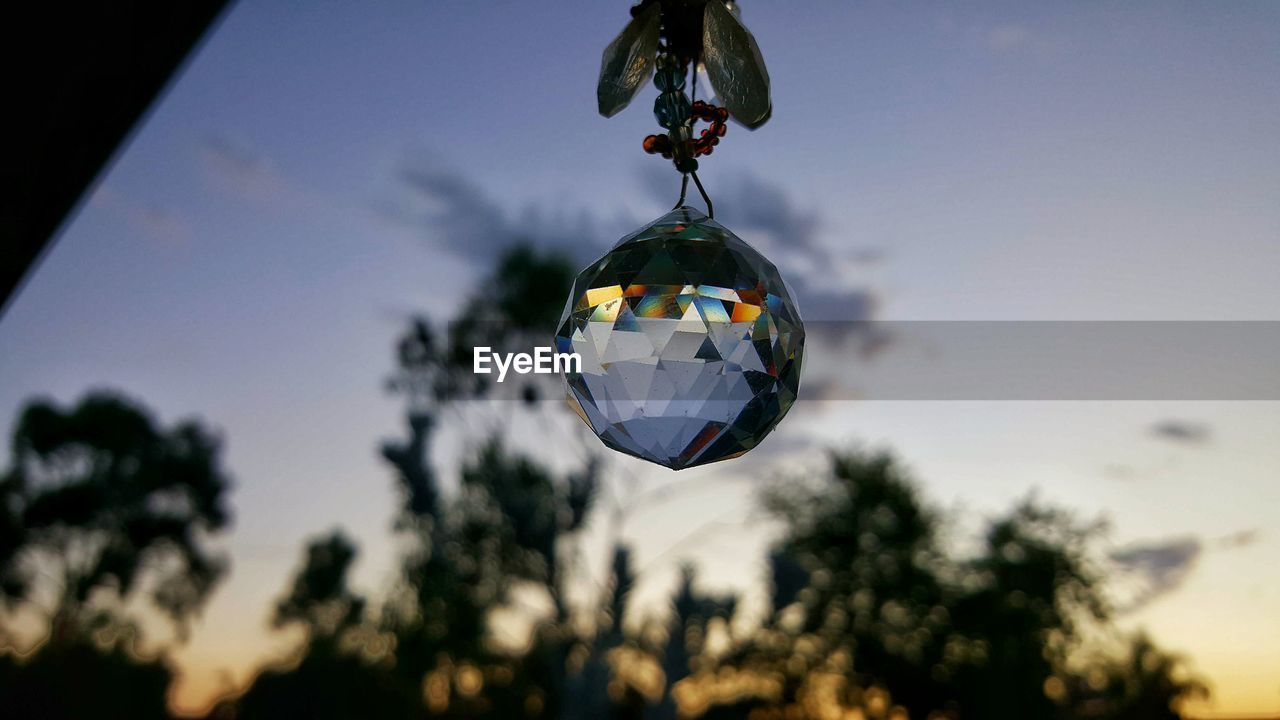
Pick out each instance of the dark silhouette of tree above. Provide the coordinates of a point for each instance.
(343, 668)
(503, 531)
(1146, 684)
(116, 505)
(513, 310)
(102, 509)
(506, 528)
(1032, 587)
(84, 679)
(319, 598)
(874, 591)
(870, 612)
(589, 688)
(691, 613)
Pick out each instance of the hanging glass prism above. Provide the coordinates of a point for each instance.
(690, 341)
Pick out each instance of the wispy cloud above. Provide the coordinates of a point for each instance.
(750, 204)
(1002, 38)
(163, 226)
(1151, 570)
(1120, 471)
(1183, 432)
(236, 167)
(1008, 37)
(1241, 539)
(454, 213)
(1157, 568)
(789, 233)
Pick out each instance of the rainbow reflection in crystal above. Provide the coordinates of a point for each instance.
(690, 342)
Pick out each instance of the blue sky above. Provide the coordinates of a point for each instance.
(254, 248)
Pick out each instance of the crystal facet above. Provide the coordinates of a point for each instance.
(690, 342)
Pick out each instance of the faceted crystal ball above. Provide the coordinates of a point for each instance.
(690, 343)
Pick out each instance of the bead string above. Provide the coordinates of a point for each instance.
(675, 113)
(707, 139)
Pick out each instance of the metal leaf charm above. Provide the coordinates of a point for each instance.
(628, 61)
(735, 66)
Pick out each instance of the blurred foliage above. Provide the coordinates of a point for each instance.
(873, 612)
(83, 679)
(103, 511)
(514, 310)
(1145, 683)
(341, 669)
(319, 599)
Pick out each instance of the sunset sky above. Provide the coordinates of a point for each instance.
(254, 249)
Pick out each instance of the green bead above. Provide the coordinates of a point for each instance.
(672, 109)
(669, 78)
